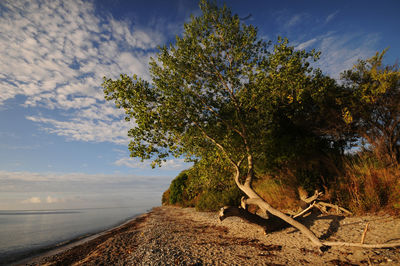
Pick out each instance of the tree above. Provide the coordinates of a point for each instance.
(219, 88)
(374, 108)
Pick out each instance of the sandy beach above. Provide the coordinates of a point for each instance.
(182, 236)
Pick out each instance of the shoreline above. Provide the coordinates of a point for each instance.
(181, 236)
(32, 256)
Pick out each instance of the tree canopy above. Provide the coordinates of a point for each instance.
(221, 86)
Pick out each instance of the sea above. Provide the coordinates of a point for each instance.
(28, 233)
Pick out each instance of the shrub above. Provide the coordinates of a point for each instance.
(177, 188)
(214, 200)
(165, 197)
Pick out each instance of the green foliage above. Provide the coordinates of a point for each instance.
(214, 183)
(208, 185)
(214, 200)
(197, 85)
(374, 110)
(177, 188)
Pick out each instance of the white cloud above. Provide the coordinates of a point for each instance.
(131, 162)
(82, 129)
(51, 200)
(78, 178)
(341, 52)
(176, 164)
(33, 200)
(55, 53)
(30, 190)
(305, 44)
(331, 16)
(287, 21)
(78, 190)
(171, 164)
(296, 19)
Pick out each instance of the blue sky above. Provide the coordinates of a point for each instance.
(63, 146)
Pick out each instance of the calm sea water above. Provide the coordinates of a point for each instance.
(27, 232)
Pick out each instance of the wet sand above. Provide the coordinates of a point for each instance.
(176, 236)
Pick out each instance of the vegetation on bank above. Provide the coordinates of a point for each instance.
(363, 184)
(257, 119)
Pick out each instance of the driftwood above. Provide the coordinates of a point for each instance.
(322, 206)
(276, 222)
(269, 225)
(305, 210)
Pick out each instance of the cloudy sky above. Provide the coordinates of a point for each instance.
(63, 146)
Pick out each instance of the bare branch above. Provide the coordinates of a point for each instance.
(314, 197)
(333, 206)
(305, 210)
(364, 233)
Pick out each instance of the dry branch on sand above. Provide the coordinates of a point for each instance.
(276, 222)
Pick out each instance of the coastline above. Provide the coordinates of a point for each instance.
(177, 236)
(33, 256)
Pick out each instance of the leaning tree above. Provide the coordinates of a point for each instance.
(218, 88)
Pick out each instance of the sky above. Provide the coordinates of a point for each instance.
(63, 146)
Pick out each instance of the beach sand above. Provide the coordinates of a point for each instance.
(182, 236)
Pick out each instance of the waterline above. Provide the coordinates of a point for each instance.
(23, 233)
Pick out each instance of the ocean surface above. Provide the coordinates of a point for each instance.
(24, 233)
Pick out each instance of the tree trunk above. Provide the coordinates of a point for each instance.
(254, 198)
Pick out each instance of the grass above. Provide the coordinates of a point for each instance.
(368, 186)
(364, 184)
(276, 193)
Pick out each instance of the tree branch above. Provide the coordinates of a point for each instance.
(217, 115)
(219, 146)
